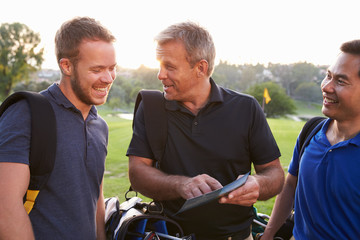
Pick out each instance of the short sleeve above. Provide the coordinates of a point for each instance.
(15, 129)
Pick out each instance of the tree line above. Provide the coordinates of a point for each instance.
(20, 61)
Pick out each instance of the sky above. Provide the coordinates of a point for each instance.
(244, 31)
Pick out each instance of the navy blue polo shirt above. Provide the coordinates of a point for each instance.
(222, 140)
(66, 207)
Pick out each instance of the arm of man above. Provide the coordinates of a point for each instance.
(14, 221)
(282, 208)
(100, 215)
(158, 185)
(266, 183)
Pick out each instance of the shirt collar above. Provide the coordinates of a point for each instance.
(215, 96)
(60, 99)
(355, 140)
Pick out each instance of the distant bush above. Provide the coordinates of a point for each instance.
(280, 104)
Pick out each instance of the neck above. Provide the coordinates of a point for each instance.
(341, 131)
(66, 89)
(199, 99)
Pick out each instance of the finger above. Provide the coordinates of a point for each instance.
(213, 184)
(205, 188)
(196, 192)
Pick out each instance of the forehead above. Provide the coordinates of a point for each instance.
(97, 52)
(171, 49)
(347, 64)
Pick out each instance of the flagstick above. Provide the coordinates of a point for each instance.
(263, 104)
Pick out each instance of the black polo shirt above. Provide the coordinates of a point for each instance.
(223, 140)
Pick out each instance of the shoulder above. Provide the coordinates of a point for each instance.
(15, 133)
(17, 111)
(230, 95)
(102, 123)
(246, 103)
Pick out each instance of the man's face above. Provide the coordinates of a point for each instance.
(341, 89)
(177, 76)
(94, 73)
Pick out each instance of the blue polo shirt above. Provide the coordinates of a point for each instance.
(327, 200)
(66, 207)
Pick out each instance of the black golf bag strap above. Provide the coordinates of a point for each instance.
(155, 120)
(310, 128)
(42, 143)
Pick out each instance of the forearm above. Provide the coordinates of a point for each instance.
(153, 183)
(15, 223)
(100, 217)
(271, 181)
(282, 208)
(157, 185)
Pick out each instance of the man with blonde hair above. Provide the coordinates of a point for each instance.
(71, 205)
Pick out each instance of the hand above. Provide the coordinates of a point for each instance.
(245, 195)
(199, 185)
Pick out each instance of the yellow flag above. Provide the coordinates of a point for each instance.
(266, 96)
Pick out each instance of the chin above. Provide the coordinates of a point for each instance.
(168, 97)
(327, 114)
(98, 102)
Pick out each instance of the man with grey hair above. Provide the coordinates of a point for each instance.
(213, 136)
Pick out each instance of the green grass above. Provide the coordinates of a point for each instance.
(308, 108)
(285, 132)
(116, 181)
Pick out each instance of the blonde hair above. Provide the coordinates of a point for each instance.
(70, 35)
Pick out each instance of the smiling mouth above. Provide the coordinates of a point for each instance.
(104, 89)
(167, 86)
(328, 100)
(101, 91)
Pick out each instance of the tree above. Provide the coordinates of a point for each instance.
(282, 74)
(280, 104)
(308, 91)
(18, 55)
(227, 75)
(147, 78)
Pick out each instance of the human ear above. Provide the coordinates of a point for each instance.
(202, 68)
(66, 66)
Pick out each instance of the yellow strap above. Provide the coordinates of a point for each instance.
(30, 200)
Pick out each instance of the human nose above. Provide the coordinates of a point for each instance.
(161, 74)
(109, 76)
(326, 84)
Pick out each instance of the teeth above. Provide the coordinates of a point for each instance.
(100, 89)
(330, 101)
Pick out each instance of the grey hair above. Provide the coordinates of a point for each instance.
(196, 39)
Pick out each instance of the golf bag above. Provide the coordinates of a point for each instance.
(137, 220)
(260, 221)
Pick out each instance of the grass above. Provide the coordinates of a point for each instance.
(285, 132)
(116, 181)
(308, 108)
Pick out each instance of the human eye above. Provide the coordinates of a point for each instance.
(169, 67)
(328, 75)
(96, 70)
(341, 81)
(112, 69)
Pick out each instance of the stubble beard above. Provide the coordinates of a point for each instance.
(78, 90)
